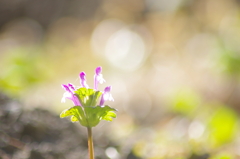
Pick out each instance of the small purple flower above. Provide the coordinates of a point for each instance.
(83, 79)
(72, 92)
(106, 95)
(98, 77)
(87, 109)
(70, 95)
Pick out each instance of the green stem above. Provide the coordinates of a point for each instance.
(90, 143)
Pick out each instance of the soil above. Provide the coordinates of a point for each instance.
(40, 134)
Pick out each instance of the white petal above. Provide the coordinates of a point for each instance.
(100, 79)
(63, 100)
(108, 96)
(66, 95)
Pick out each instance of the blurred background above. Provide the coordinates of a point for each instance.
(174, 68)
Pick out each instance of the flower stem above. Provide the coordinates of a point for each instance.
(90, 143)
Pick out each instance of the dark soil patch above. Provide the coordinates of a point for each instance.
(39, 134)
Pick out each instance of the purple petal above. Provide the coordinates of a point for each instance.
(83, 79)
(69, 95)
(98, 77)
(71, 86)
(66, 88)
(108, 89)
(98, 70)
(106, 95)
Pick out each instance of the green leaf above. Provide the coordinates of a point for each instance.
(77, 114)
(109, 116)
(89, 116)
(88, 97)
(66, 112)
(74, 119)
(223, 126)
(98, 113)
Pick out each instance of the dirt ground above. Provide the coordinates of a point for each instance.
(39, 134)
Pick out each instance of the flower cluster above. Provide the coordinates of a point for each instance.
(98, 78)
(85, 99)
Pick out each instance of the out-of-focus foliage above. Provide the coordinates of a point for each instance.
(230, 62)
(222, 126)
(21, 69)
(185, 102)
(223, 156)
(148, 49)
